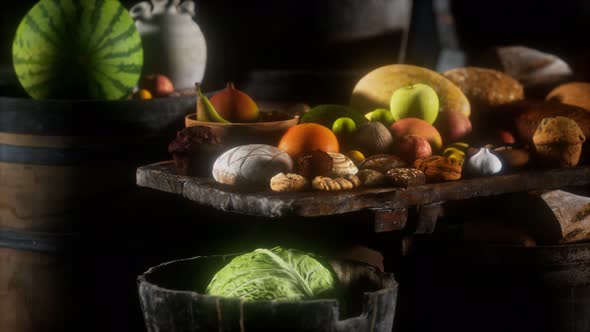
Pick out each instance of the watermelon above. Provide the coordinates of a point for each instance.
(77, 49)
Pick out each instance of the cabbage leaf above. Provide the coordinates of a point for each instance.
(275, 274)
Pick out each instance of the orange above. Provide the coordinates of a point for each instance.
(308, 137)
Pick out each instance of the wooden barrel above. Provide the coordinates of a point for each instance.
(65, 169)
(172, 300)
(498, 288)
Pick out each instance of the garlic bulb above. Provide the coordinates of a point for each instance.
(484, 163)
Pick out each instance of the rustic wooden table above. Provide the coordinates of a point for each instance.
(389, 205)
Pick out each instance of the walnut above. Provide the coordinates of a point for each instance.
(343, 183)
(288, 182)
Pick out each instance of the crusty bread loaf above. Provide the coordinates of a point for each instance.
(253, 164)
(485, 87)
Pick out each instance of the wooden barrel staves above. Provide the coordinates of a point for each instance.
(499, 287)
(172, 300)
(60, 163)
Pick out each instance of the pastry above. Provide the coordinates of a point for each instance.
(314, 163)
(439, 168)
(558, 142)
(194, 150)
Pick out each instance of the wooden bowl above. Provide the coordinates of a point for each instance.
(265, 132)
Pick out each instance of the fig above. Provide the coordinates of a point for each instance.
(235, 105)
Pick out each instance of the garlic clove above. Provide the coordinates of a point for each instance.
(484, 163)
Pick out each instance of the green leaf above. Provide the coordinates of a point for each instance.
(273, 274)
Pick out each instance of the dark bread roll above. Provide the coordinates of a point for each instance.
(405, 177)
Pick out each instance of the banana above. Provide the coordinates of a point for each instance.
(205, 110)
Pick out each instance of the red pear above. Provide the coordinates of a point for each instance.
(235, 105)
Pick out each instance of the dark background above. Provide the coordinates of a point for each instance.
(243, 36)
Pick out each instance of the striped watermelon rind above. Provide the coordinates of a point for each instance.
(77, 49)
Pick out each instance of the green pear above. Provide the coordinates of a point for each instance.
(205, 110)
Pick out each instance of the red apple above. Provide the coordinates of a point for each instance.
(453, 126)
(412, 147)
(159, 85)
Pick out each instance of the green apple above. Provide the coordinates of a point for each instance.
(415, 101)
(343, 126)
(382, 115)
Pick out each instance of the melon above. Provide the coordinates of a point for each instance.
(71, 49)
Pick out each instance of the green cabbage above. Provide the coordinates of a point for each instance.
(263, 274)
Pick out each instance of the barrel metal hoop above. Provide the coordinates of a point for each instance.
(36, 241)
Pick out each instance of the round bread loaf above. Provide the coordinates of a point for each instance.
(486, 87)
(252, 164)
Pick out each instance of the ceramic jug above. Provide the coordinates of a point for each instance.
(173, 43)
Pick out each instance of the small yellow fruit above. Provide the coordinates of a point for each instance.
(356, 156)
(144, 94)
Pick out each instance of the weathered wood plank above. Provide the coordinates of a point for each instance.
(264, 202)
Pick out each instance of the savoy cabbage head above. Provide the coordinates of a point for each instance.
(275, 274)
